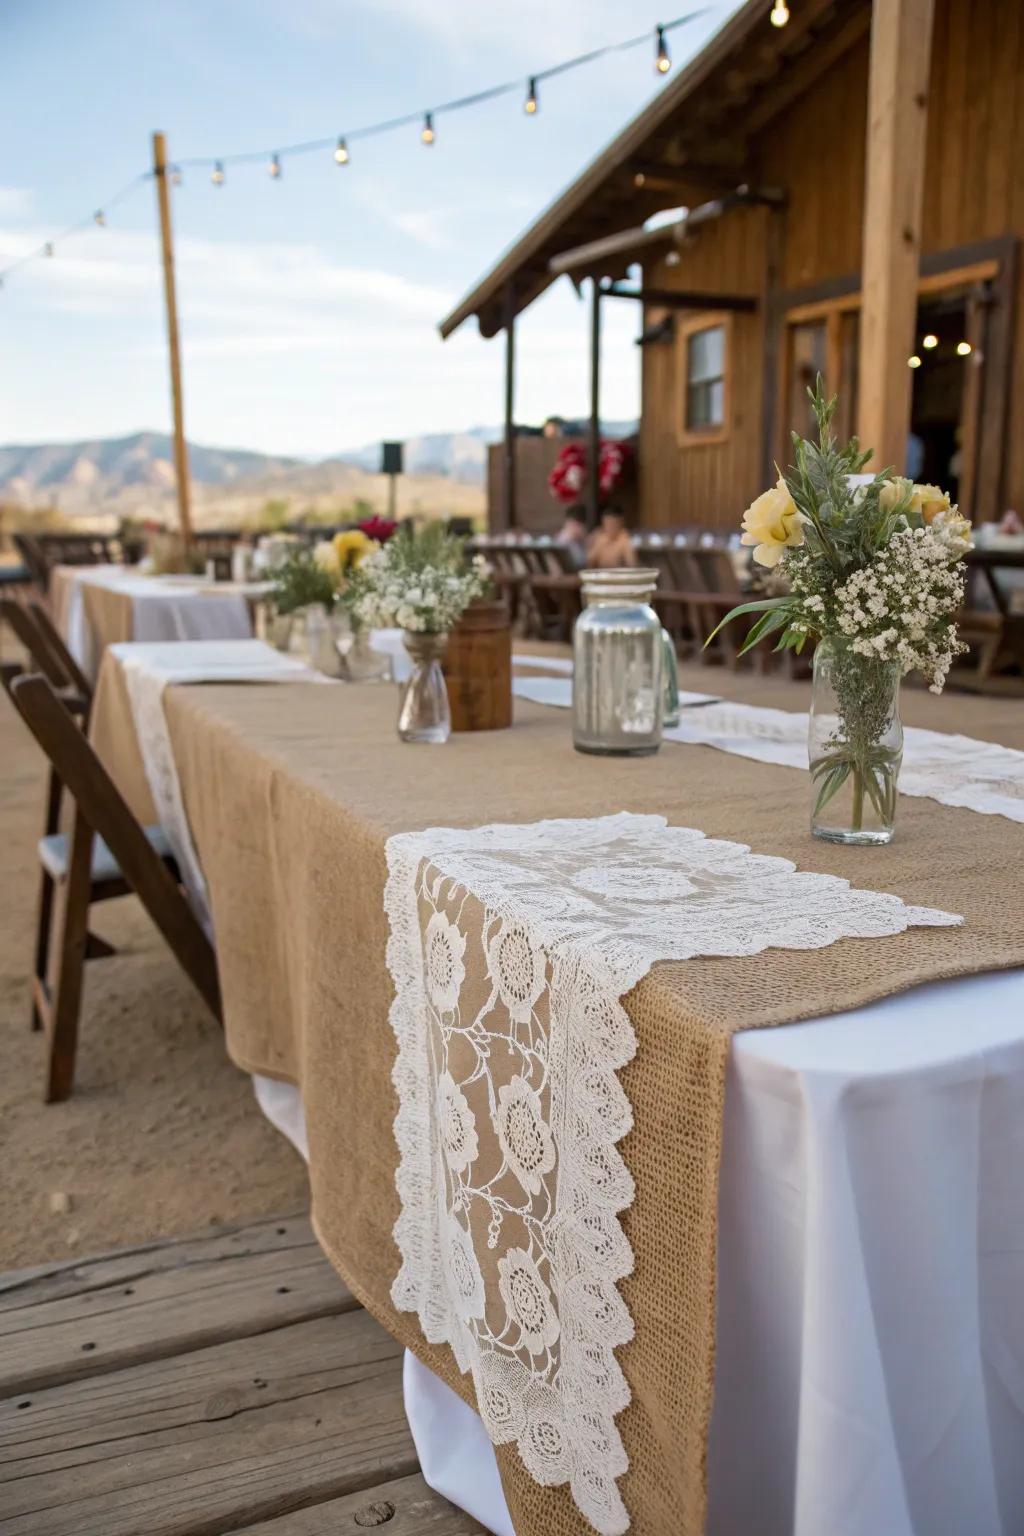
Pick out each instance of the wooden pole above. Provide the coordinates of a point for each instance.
(509, 453)
(594, 451)
(163, 200)
(894, 168)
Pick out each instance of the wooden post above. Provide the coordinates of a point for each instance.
(163, 200)
(594, 449)
(509, 452)
(901, 33)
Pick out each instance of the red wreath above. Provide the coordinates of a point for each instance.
(568, 480)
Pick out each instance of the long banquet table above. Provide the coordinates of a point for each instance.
(99, 605)
(870, 1330)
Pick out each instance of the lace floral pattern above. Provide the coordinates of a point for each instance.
(510, 948)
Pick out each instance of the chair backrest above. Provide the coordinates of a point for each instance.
(69, 682)
(54, 642)
(42, 551)
(100, 804)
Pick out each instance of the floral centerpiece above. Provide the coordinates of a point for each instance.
(873, 567)
(422, 583)
(308, 584)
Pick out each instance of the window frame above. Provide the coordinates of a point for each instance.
(693, 325)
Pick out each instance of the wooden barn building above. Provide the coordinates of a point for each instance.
(854, 187)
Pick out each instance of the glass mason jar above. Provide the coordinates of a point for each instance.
(425, 715)
(855, 745)
(357, 661)
(618, 661)
(669, 681)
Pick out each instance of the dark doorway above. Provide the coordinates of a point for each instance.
(941, 359)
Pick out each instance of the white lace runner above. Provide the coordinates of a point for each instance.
(954, 770)
(148, 668)
(510, 949)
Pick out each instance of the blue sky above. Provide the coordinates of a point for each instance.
(309, 306)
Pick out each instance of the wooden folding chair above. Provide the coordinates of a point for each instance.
(107, 854)
(54, 661)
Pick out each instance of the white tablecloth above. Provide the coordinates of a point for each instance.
(870, 1369)
(163, 608)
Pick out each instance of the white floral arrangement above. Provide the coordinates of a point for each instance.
(420, 582)
(878, 566)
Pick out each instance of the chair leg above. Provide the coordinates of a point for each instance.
(43, 925)
(62, 1037)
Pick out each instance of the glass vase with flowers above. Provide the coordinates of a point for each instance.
(873, 567)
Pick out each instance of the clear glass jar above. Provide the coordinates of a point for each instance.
(425, 715)
(855, 746)
(669, 681)
(618, 665)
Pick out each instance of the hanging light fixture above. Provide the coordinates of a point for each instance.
(531, 103)
(914, 362)
(662, 57)
(274, 168)
(341, 152)
(176, 177)
(99, 217)
(930, 341)
(427, 134)
(964, 349)
(217, 174)
(780, 13)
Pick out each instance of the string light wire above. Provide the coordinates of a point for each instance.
(338, 145)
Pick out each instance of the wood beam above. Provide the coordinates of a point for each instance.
(672, 298)
(163, 200)
(508, 462)
(894, 160)
(594, 454)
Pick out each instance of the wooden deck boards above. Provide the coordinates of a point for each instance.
(232, 1385)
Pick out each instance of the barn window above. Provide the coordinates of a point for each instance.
(705, 378)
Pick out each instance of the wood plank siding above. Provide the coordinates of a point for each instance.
(813, 148)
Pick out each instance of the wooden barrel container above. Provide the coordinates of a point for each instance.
(478, 668)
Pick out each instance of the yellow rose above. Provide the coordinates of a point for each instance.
(929, 500)
(893, 492)
(772, 523)
(352, 548)
(326, 557)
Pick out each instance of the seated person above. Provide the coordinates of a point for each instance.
(572, 536)
(610, 545)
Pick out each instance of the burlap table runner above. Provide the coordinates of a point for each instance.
(291, 795)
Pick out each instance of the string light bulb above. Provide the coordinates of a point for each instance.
(780, 13)
(274, 168)
(662, 57)
(531, 103)
(428, 135)
(99, 217)
(341, 152)
(930, 341)
(176, 177)
(48, 248)
(964, 349)
(914, 361)
(217, 174)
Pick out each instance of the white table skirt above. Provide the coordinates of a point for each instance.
(162, 609)
(870, 1364)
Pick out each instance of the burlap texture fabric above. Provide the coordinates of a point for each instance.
(291, 794)
(112, 733)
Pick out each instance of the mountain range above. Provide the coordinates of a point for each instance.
(135, 475)
(444, 472)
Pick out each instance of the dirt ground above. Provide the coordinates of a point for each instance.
(163, 1135)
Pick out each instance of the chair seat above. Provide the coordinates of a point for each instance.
(54, 855)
